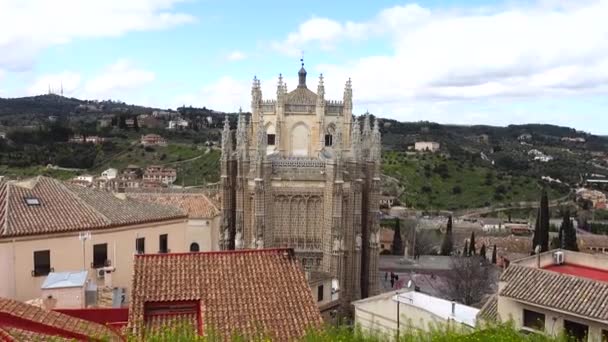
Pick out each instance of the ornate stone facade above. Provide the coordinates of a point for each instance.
(303, 174)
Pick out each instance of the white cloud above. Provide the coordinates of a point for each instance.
(236, 56)
(552, 48)
(28, 26)
(112, 82)
(116, 78)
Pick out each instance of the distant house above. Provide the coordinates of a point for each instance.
(426, 146)
(387, 201)
(525, 137)
(574, 140)
(153, 140)
(130, 123)
(178, 124)
(83, 180)
(266, 289)
(386, 240)
(491, 224)
(554, 292)
(596, 197)
(110, 173)
(160, 174)
(82, 139)
(539, 156)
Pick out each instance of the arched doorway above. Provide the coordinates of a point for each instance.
(300, 140)
(194, 247)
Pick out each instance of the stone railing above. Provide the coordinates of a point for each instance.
(298, 163)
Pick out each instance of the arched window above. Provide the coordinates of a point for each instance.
(329, 134)
(194, 247)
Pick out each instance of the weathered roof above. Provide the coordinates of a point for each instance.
(196, 205)
(301, 96)
(563, 292)
(489, 311)
(55, 280)
(23, 322)
(60, 207)
(239, 291)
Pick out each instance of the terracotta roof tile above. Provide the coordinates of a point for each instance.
(239, 291)
(568, 293)
(196, 205)
(67, 207)
(489, 311)
(41, 320)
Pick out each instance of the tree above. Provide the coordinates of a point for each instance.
(135, 124)
(567, 233)
(397, 247)
(541, 230)
(494, 255)
(447, 245)
(469, 279)
(472, 250)
(465, 249)
(482, 251)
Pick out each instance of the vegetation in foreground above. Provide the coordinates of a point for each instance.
(497, 333)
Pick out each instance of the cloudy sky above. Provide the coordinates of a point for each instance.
(465, 62)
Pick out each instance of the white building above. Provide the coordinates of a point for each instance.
(406, 309)
(110, 173)
(426, 146)
(180, 123)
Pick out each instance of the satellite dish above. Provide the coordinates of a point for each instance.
(409, 283)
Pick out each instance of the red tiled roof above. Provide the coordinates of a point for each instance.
(581, 296)
(239, 291)
(579, 271)
(24, 322)
(197, 205)
(68, 207)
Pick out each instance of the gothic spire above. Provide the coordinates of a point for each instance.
(376, 142)
(226, 140)
(348, 93)
(280, 87)
(337, 141)
(241, 136)
(261, 139)
(302, 75)
(355, 139)
(321, 88)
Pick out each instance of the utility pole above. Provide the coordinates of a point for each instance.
(83, 237)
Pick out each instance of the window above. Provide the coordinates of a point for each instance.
(42, 263)
(140, 245)
(163, 243)
(604, 335)
(100, 255)
(576, 331)
(319, 293)
(271, 138)
(194, 247)
(534, 320)
(329, 140)
(32, 201)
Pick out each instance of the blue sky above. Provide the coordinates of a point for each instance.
(464, 62)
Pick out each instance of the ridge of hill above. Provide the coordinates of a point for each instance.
(474, 166)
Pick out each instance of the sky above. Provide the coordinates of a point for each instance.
(459, 62)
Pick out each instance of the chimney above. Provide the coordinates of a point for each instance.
(453, 308)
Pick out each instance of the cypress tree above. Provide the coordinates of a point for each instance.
(397, 241)
(568, 234)
(447, 245)
(482, 251)
(465, 250)
(472, 244)
(494, 255)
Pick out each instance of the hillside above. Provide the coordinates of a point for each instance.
(475, 166)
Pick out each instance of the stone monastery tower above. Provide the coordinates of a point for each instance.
(305, 175)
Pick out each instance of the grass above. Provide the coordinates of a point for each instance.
(434, 182)
(32, 171)
(195, 166)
